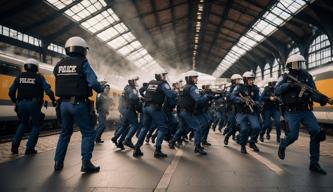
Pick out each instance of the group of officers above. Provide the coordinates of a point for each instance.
(162, 112)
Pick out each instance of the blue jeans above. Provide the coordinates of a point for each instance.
(128, 125)
(231, 126)
(206, 125)
(310, 122)
(101, 125)
(153, 116)
(27, 109)
(268, 114)
(194, 123)
(249, 126)
(78, 113)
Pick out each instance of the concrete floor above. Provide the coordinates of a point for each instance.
(223, 169)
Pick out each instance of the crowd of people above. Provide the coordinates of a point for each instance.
(158, 112)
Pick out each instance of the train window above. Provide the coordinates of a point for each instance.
(9, 69)
(320, 51)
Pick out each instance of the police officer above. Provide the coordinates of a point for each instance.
(189, 101)
(157, 92)
(103, 103)
(235, 79)
(270, 110)
(246, 98)
(298, 109)
(75, 80)
(129, 122)
(30, 86)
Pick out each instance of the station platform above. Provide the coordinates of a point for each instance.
(223, 169)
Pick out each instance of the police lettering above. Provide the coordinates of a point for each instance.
(67, 69)
(28, 80)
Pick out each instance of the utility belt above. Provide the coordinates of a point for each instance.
(75, 100)
(34, 99)
(297, 108)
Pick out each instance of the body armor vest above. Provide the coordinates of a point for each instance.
(29, 86)
(153, 94)
(70, 79)
(185, 101)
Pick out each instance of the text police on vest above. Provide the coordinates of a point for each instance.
(28, 80)
(67, 69)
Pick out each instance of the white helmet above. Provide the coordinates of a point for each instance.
(236, 76)
(133, 78)
(76, 45)
(295, 62)
(161, 72)
(31, 65)
(248, 74)
(192, 74)
(295, 58)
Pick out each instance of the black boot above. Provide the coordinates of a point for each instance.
(14, 149)
(282, 152)
(153, 137)
(129, 144)
(58, 165)
(254, 147)
(99, 141)
(243, 149)
(268, 136)
(114, 140)
(261, 138)
(226, 140)
(159, 154)
(200, 150)
(172, 145)
(206, 143)
(30, 151)
(147, 138)
(88, 167)
(137, 152)
(315, 167)
(120, 146)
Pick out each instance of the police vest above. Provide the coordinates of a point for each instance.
(127, 90)
(185, 101)
(246, 90)
(230, 104)
(70, 79)
(291, 97)
(153, 94)
(29, 86)
(268, 103)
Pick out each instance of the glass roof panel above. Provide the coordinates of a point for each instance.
(107, 34)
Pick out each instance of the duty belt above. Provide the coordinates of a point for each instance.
(34, 99)
(297, 108)
(74, 100)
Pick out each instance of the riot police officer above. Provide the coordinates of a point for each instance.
(298, 107)
(231, 108)
(103, 103)
(30, 86)
(129, 122)
(157, 93)
(189, 101)
(246, 98)
(75, 80)
(270, 110)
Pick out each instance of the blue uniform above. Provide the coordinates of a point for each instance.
(129, 122)
(271, 110)
(298, 110)
(103, 103)
(231, 113)
(78, 112)
(248, 121)
(26, 108)
(155, 116)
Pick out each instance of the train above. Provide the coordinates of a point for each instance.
(10, 67)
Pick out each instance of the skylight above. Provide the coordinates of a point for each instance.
(107, 26)
(277, 16)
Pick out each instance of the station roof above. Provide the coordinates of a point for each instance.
(217, 37)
